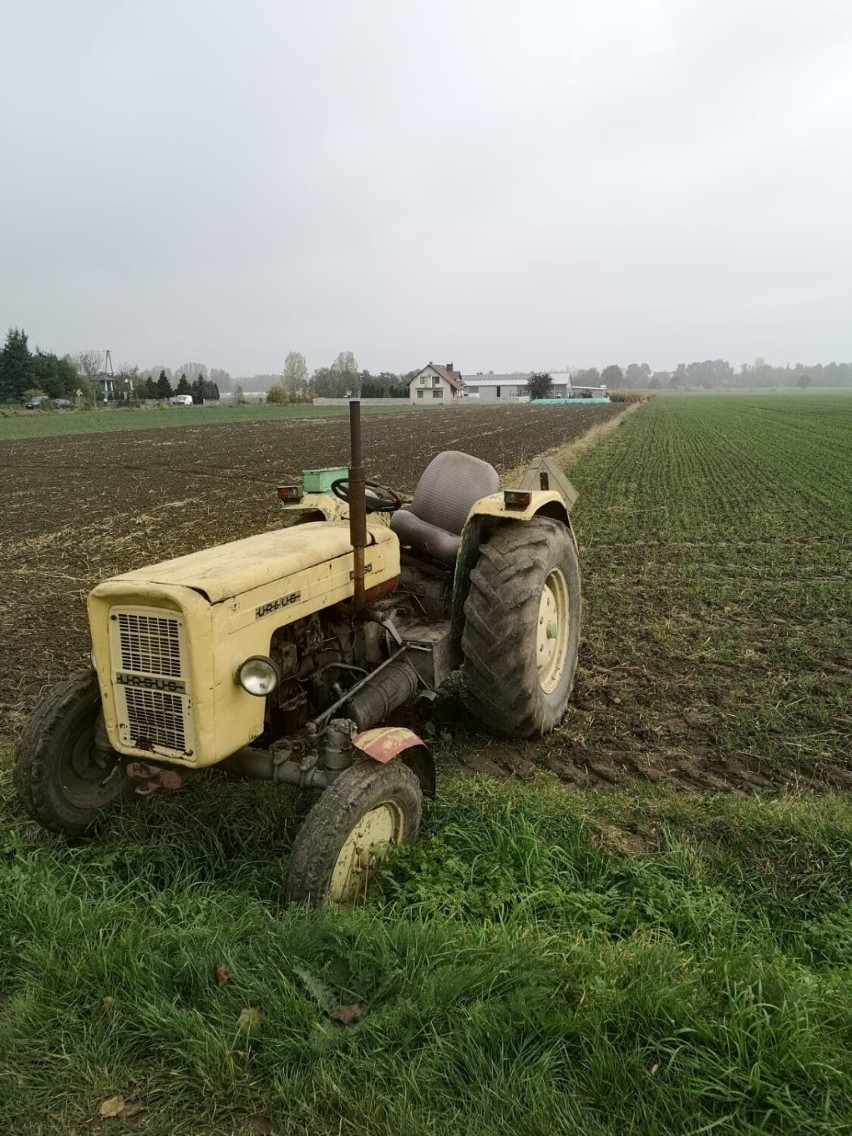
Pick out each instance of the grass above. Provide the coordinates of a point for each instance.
(50, 423)
(540, 962)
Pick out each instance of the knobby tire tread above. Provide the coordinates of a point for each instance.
(501, 610)
(358, 789)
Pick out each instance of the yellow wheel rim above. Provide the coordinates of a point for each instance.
(361, 850)
(554, 620)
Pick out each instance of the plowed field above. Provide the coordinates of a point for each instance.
(79, 508)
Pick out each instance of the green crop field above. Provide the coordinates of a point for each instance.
(716, 542)
(645, 960)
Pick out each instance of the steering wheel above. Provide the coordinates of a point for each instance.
(379, 499)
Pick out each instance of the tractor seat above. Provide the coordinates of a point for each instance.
(450, 485)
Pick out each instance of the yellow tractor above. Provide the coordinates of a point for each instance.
(285, 656)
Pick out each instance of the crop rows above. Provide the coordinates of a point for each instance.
(716, 540)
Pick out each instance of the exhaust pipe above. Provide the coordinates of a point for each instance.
(357, 504)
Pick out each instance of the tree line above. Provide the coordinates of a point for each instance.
(79, 377)
(24, 372)
(717, 374)
(341, 379)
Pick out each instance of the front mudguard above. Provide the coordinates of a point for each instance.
(385, 743)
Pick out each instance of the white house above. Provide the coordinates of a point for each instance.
(435, 382)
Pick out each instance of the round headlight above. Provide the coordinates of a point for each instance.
(258, 675)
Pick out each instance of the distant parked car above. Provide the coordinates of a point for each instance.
(181, 400)
(38, 401)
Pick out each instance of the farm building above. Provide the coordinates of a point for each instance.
(435, 382)
(514, 385)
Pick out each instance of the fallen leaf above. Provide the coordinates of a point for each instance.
(222, 973)
(114, 1106)
(133, 1108)
(251, 1016)
(108, 1002)
(346, 1015)
(654, 1070)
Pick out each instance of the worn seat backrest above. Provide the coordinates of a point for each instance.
(449, 487)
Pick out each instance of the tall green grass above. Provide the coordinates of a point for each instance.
(540, 963)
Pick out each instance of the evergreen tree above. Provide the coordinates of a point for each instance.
(150, 388)
(196, 390)
(183, 386)
(16, 372)
(164, 387)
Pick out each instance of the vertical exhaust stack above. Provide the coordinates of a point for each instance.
(357, 503)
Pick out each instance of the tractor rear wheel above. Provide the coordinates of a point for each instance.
(366, 808)
(522, 628)
(63, 780)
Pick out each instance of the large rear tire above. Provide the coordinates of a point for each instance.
(64, 782)
(522, 628)
(368, 807)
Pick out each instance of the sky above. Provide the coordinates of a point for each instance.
(525, 185)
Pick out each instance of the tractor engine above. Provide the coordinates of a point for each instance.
(320, 659)
(171, 641)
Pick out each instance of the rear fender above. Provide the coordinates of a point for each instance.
(486, 515)
(385, 743)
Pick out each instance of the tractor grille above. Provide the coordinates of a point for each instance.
(149, 644)
(156, 717)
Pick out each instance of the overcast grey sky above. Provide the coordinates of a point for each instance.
(504, 185)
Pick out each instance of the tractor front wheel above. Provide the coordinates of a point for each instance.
(368, 807)
(522, 628)
(64, 780)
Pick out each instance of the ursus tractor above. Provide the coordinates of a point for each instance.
(289, 655)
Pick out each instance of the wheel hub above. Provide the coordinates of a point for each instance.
(87, 780)
(363, 846)
(552, 631)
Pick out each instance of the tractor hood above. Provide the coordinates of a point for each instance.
(243, 565)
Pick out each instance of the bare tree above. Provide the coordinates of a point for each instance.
(192, 371)
(128, 380)
(345, 364)
(295, 374)
(90, 362)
